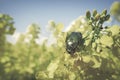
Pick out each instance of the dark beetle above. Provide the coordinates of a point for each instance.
(73, 41)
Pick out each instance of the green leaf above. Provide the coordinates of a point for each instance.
(52, 67)
(115, 29)
(41, 76)
(96, 61)
(106, 41)
(104, 54)
(59, 27)
(87, 59)
(94, 45)
(71, 76)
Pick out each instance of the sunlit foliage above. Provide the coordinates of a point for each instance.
(97, 60)
(98, 57)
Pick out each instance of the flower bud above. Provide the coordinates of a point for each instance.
(97, 16)
(104, 12)
(94, 12)
(88, 14)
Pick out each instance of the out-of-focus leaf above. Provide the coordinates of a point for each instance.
(52, 67)
(96, 61)
(115, 10)
(87, 59)
(71, 76)
(59, 27)
(106, 40)
(1, 25)
(5, 59)
(41, 76)
(115, 29)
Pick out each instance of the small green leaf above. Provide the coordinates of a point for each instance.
(87, 59)
(106, 40)
(52, 67)
(115, 29)
(96, 61)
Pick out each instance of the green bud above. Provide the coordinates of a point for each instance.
(88, 14)
(107, 17)
(104, 12)
(94, 12)
(97, 16)
(102, 16)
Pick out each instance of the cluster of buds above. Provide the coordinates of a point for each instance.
(96, 20)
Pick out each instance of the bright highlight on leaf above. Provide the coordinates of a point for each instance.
(115, 29)
(106, 41)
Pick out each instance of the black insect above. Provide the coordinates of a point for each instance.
(73, 42)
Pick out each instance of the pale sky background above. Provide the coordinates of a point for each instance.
(26, 12)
